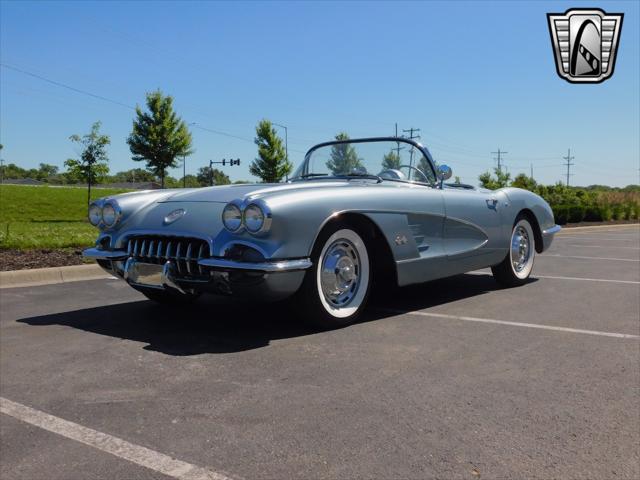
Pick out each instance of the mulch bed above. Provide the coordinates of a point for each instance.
(23, 259)
(11, 259)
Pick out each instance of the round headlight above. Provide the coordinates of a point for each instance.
(231, 217)
(253, 218)
(95, 214)
(109, 214)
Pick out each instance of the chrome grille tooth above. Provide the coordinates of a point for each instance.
(188, 259)
(159, 250)
(179, 248)
(151, 249)
(167, 254)
(135, 248)
(142, 248)
(200, 252)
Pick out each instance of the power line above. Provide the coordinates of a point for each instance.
(499, 158)
(568, 158)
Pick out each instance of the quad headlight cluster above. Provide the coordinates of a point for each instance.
(255, 218)
(104, 214)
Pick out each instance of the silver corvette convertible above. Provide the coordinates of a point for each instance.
(354, 215)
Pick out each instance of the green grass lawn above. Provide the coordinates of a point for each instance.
(46, 216)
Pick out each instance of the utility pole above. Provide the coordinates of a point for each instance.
(532, 171)
(398, 147)
(411, 137)
(568, 158)
(286, 144)
(1, 170)
(184, 171)
(499, 159)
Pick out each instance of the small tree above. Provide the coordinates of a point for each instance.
(159, 136)
(92, 165)
(501, 179)
(343, 157)
(272, 164)
(391, 161)
(206, 175)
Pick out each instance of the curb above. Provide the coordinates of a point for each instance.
(47, 276)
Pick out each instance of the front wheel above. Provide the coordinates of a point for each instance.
(336, 288)
(515, 269)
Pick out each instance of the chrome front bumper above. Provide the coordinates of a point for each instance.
(267, 280)
(547, 236)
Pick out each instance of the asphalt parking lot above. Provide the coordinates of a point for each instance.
(450, 379)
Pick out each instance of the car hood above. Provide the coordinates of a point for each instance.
(226, 193)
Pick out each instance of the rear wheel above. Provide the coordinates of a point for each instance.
(335, 290)
(515, 269)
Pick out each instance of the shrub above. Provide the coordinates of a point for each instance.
(618, 211)
(561, 214)
(576, 213)
(605, 212)
(592, 213)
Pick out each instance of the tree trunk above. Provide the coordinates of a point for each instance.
(162, 178)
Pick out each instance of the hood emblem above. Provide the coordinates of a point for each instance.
(175, 215)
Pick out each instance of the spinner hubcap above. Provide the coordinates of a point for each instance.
(520, 248)
(340, 275)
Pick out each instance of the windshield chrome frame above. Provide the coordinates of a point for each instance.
(413, 143)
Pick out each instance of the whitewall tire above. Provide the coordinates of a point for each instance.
(516, 268)
(336, 288)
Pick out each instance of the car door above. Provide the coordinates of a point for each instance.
(473, 227)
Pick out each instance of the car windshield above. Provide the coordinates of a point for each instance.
(394, 159)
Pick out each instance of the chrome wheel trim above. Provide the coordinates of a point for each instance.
(522, 250)
(342, 273)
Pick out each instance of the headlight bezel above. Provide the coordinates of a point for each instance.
(234, 206)
(117, 213)
(98, 220)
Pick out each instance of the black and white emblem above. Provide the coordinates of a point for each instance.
(585, 42)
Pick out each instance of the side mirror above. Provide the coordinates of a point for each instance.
(444, 173)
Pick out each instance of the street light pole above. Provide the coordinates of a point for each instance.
(286, 143)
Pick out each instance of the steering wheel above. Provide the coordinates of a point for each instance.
(426, 179)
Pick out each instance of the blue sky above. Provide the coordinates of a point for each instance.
(473, 76)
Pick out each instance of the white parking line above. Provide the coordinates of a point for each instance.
(566, 230)
(582, 279)
(619, 238)
(142, 456)
(512, 324)
(591, 258)
(603, 246)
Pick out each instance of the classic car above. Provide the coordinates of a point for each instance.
(355, 214)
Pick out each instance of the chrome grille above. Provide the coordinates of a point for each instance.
(183, 252)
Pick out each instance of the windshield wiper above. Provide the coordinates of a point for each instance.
(308, 175)
(363, 175)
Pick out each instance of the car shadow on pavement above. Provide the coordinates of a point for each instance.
(208, 326)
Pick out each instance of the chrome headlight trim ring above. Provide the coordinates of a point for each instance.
(265, 226)
(117, 213)
(236, 207)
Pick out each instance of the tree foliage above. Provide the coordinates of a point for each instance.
(159, 136)
(500, 180)
(343, 157)
(205, 175)
(391, 161)
(272, 164)
(525, 182)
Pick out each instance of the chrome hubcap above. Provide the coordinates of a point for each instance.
(520, 248)
(340, 276)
